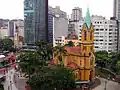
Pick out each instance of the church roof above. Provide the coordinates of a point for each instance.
(74, 50)
(87, 19)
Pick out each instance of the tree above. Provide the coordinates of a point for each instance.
(70, 44)
(6, 44)
(58, 78)
(45, 51)
(102, 58)
(59, 51)
(118, 67)
(30, 63)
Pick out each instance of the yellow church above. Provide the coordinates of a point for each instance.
(81, 58)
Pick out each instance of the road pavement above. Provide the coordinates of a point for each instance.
(9, 82)
(110, 85)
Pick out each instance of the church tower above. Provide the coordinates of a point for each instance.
(87, 45)
(87, 37)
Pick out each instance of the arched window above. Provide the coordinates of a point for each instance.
(85, 35)
(90, 35)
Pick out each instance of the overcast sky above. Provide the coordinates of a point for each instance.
(14, 8)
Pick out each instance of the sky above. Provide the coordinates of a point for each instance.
(13, 9)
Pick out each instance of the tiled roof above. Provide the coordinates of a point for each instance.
(74, 50)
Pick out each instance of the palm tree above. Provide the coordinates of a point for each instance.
(59, 51)
(45, 51)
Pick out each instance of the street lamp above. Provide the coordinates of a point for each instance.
(105, 84)
(106, 81)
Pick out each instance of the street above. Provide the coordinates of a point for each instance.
(110, 85)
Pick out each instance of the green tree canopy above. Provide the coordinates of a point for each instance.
(58, 78)
(6, 44)
(70, 44)
(59, 51)
(31, 63)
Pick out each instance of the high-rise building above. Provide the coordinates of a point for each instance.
(116, 10)
(76, 14)
(58, 11)
(50, 27)
(57, 27)
(36, 21)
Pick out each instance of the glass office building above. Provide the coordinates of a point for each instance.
(36, 21)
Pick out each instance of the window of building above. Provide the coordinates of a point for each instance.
(101, 39)
(85, 35)
(96, 47)
(97, 29)
(110, 40)
(101, 29)
(110, 25)
(110, 29)
(90, 35)
(110, 43)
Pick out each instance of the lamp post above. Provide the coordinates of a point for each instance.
(105, 84)
(106, 81)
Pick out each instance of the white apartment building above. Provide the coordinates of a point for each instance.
(59, 41)
(105, 34)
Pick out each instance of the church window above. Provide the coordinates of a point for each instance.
(90, 35)
(85, 35)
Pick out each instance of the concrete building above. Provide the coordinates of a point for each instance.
(36, 21)
(58, 11)
(50, 27)
(116, 15)
(116, 10)
(105, 34)
(59, 41)
(76, 14)
(57, 24)
(60, 26)
(4, 28)
(65, 40)
(16, 32)
(4, 33)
